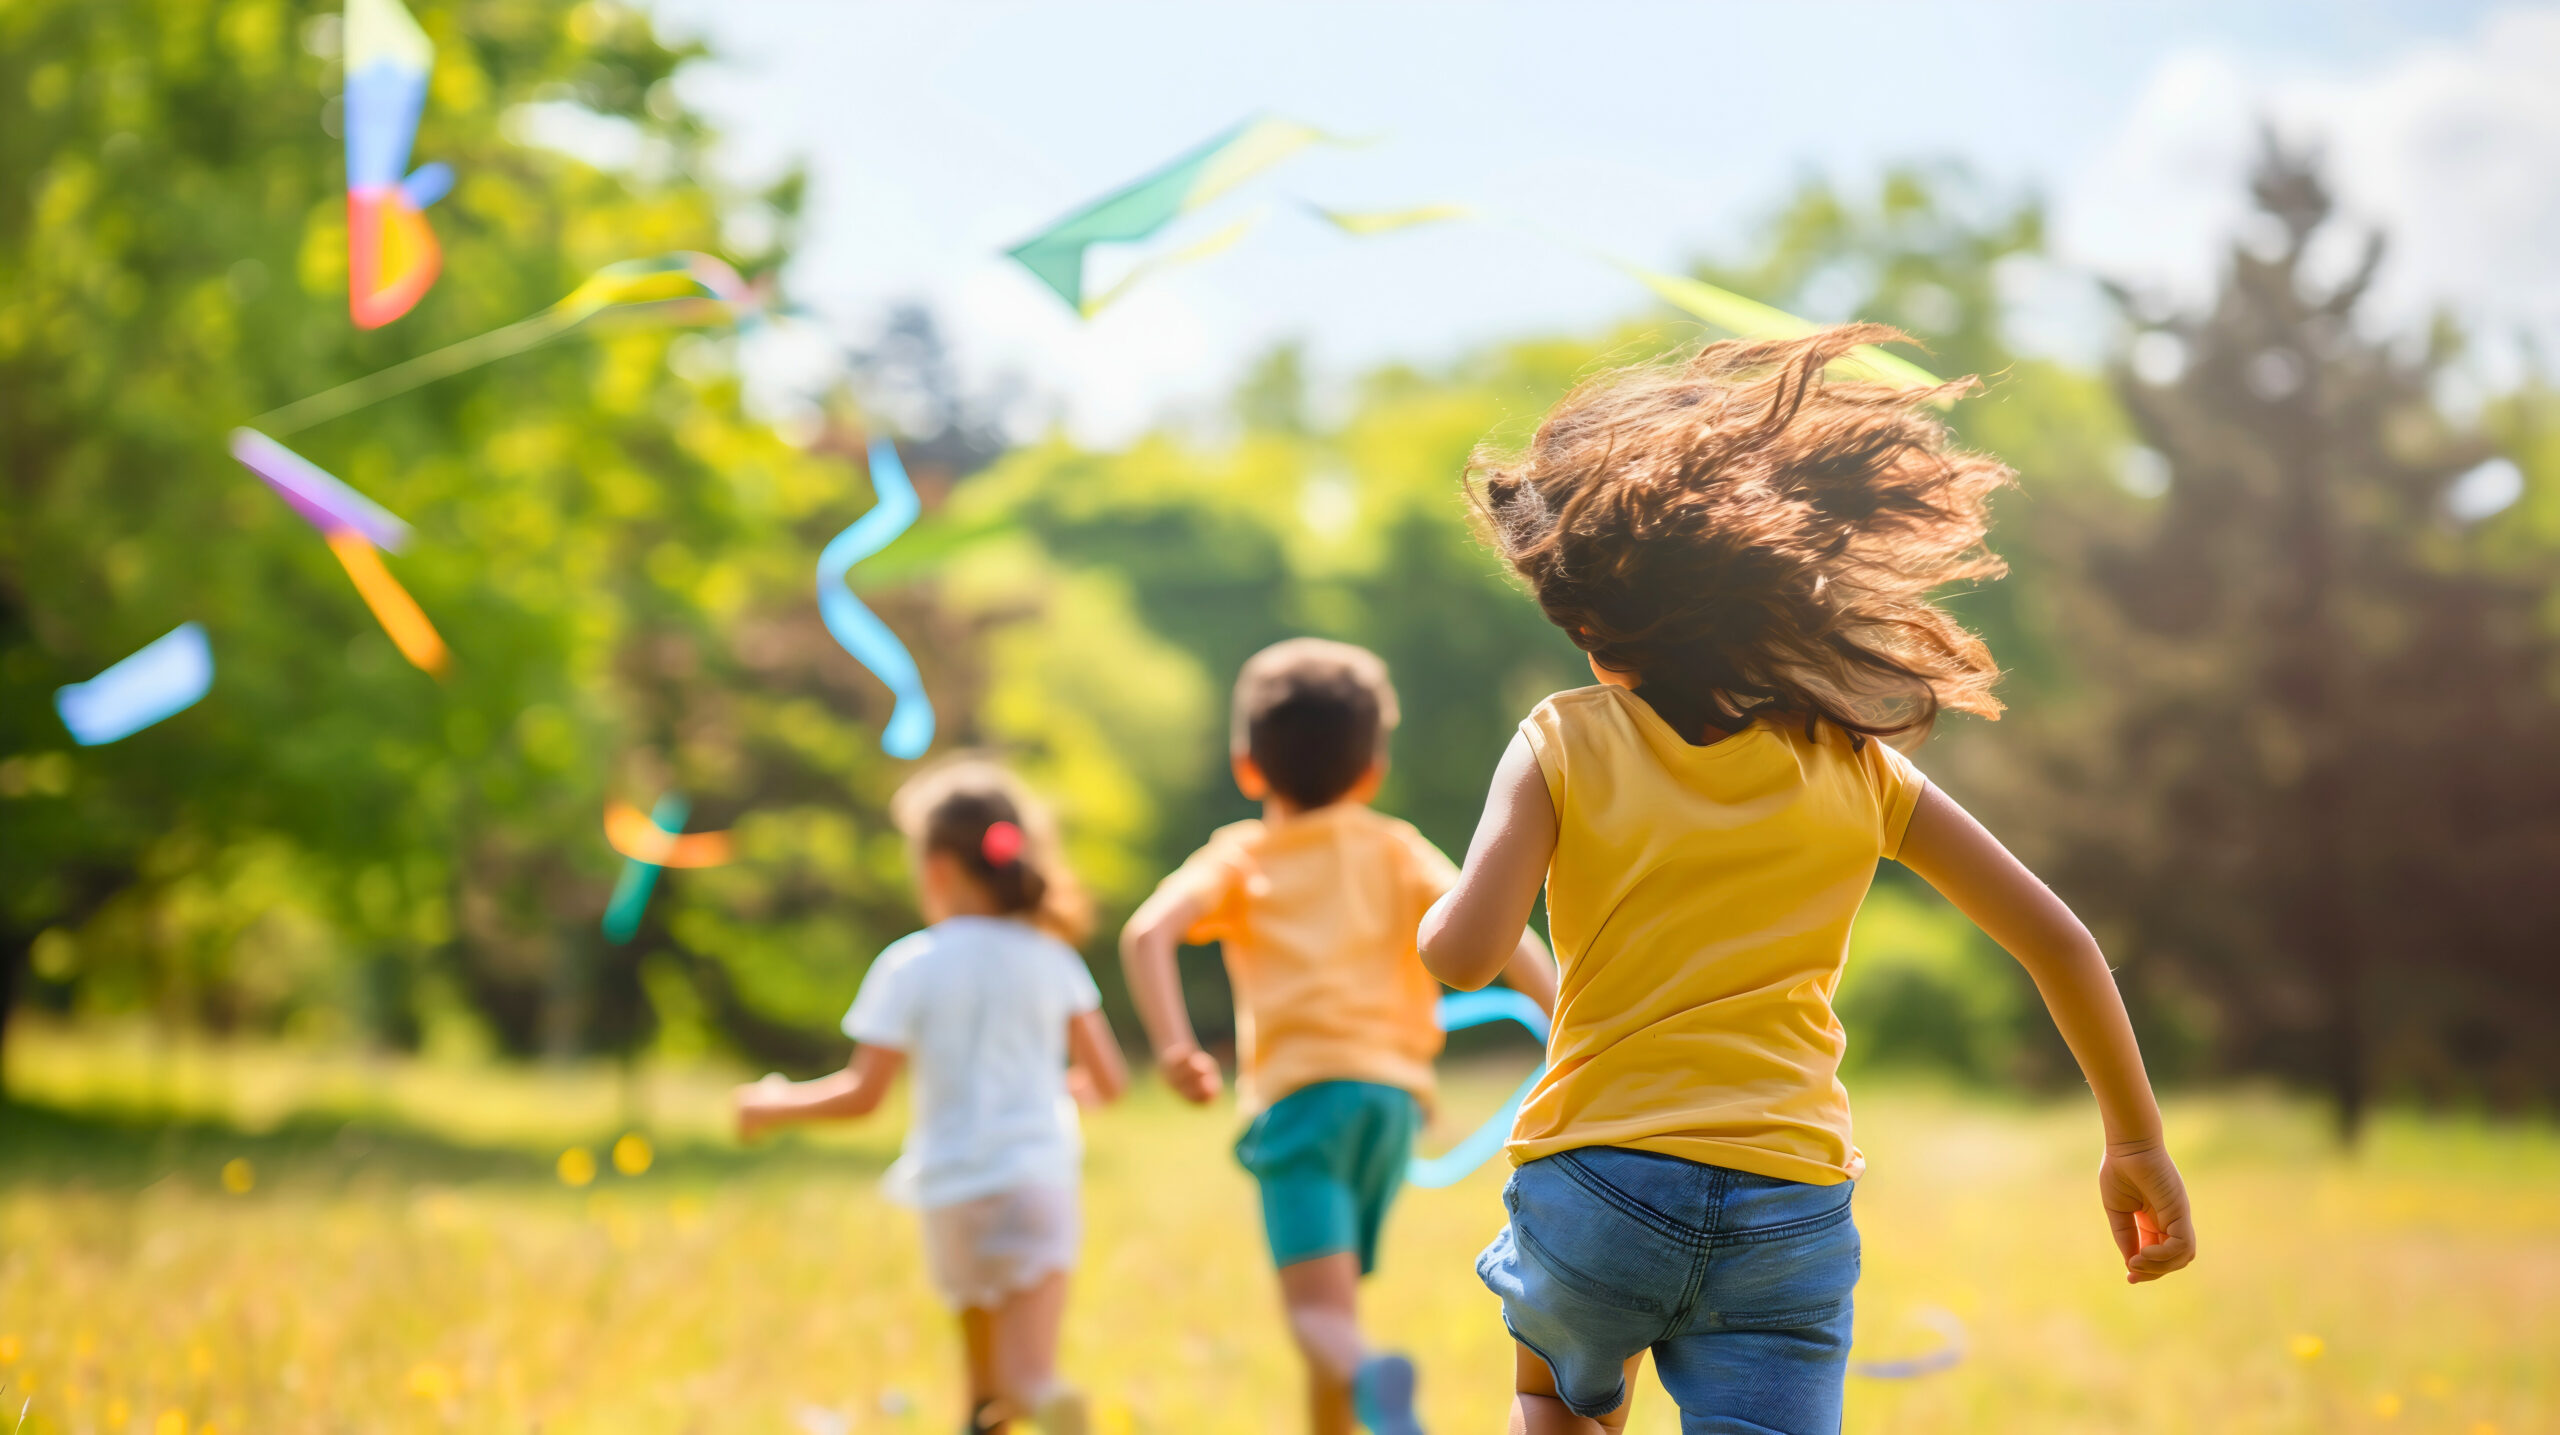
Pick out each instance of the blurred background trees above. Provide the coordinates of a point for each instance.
(2275, 699)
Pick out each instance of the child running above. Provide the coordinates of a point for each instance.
(989, 1005)
(1745, 552)
(1315, 906)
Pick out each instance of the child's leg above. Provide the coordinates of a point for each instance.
(1024, 1343)
(1321, 1297)
(977, 1340)
(1535, 1410)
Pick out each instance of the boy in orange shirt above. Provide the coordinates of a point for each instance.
(1315, 906)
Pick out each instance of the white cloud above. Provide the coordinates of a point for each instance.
(2451, 148)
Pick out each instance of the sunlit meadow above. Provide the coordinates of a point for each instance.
(199, 1239)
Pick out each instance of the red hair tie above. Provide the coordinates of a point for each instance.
(1002, 845)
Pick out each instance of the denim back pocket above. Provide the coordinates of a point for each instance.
(1785, 1254)
(1603, 1250)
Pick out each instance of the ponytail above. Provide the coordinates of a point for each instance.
(981, 816)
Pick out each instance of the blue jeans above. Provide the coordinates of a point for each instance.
(1739, 1285)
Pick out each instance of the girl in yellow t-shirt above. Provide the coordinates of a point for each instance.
(1745, 551)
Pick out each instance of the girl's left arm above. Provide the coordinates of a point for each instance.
(1473, 934)
(1095, 1068)
(2146, 1200)
(855, 1091)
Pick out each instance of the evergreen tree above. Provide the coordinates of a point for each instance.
(2311, 778)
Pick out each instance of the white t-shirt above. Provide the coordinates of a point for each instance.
(980, 1007)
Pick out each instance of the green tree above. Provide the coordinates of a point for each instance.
(2308, 779)
(619, 560)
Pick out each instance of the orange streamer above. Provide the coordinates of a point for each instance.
(392, 606)
(636, 837)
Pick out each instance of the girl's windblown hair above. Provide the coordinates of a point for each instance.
(1750, 538)
(1002, 836)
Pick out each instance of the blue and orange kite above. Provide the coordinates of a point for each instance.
(392, 255)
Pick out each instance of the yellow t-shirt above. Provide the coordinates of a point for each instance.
(1316, 916)
(1700, 901)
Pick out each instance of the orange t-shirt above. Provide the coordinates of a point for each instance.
(1316, 916)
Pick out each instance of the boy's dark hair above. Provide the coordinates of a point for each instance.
(1313, 714)
(952, 809)
(1750, 539)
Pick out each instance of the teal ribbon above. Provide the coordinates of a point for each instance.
(631, 890)
(1458, 1011)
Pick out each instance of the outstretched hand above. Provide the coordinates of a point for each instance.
(1192, 1073)
(2146, 1205)
(754, 1104)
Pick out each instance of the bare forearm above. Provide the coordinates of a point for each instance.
(1147, 957)
(836, 1096)
(2081, 994)
(1971, 869)
(1532, 972)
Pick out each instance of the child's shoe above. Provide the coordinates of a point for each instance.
(1382, 1395)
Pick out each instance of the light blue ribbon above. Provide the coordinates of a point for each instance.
(1457, 1012)
(910, 728)
(165, 676)
(631, 890)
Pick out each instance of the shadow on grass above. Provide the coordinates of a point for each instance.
(50, 1146)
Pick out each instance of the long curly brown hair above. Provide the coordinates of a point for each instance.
(1748, 538)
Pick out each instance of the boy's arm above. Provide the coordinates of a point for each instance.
(1480, 929)
(1094, 1066)
(855, 1091)
(1148, 946)
(2145, 1198)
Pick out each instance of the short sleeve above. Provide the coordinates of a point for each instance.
(1075, 982)
(1897, 785)
(884, 1010)
(1544, 729)
(1214, 877)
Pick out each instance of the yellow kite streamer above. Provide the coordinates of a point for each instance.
(1751, 319)
(1218, 243)
(1387, 221)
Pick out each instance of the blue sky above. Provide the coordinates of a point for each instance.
(937, 134)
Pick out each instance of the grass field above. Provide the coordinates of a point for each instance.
(399, 1252)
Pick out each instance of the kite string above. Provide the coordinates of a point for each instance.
(441, 363)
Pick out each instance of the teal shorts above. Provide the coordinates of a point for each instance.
(1330, 1158)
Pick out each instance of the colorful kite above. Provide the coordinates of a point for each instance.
(910, 727)
(392, 255)
(679, 288)
(353, 525)
(1056, 255)
(1458, 1011)
(166, 676)
(634, 835)
(639, 873)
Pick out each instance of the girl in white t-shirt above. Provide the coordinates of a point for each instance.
(999, 1020)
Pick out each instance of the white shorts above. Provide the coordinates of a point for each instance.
(980, 1251)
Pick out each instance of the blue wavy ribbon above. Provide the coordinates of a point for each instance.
(1458, 1011)
(910, 728)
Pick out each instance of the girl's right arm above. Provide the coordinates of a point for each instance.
(2146, 1200)
(855, 1091)
(1471, 935)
